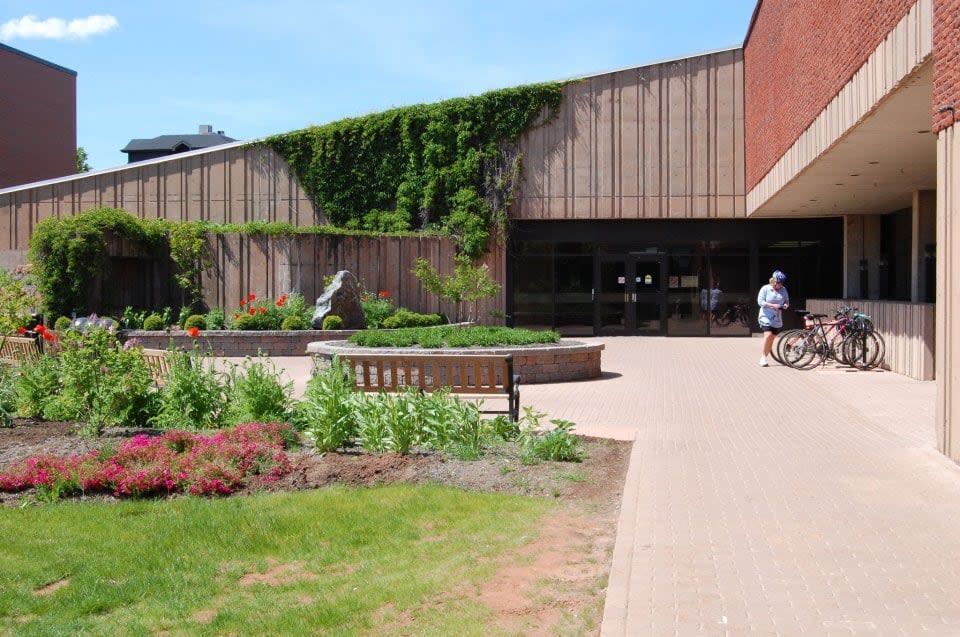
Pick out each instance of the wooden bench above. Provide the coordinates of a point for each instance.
(476, 375)
(158, 360)
(19, 349)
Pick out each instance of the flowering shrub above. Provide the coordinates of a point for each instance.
(377, 307)
(254, 313)
(176, 462)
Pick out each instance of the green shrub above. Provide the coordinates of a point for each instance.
(62, 323)
(406, 318)
(243, 322)
(332, 322)
(326, 414)
(216, 320)
(37, 382)
(154, 323)
(452, 336)
(558, 444)
(256, 393)
(294, 323)
(193, 397)
(8, 395)
(195, 320)
(133, 319)
(376, 310)
(100, 383)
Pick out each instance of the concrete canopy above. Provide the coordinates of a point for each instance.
(873, 168)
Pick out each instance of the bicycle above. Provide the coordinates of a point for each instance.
(735, 313)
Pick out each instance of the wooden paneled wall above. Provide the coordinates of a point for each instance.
(658, 141)
(907, 329)
(268, 266)
(230, 184)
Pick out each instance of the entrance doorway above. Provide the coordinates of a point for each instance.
(631, 296)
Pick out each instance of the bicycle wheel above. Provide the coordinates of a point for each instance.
(803, 352)
(783, 340)
(864, 350)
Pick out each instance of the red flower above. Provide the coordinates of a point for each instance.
(281, 301)
(236, 316)
(193, 332)
(243, 302)
(253, 311)
(49, 336)
(40, 329)
(252, 297)
(384, 294)
(263, 310)
(21, 331)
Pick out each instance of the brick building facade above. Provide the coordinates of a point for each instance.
(38, 118)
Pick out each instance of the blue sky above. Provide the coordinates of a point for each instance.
(255, 68)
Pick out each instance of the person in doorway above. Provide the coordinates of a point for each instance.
(773, 299)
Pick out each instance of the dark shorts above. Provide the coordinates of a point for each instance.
(767, 328)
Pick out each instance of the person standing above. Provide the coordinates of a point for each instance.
(773, 299)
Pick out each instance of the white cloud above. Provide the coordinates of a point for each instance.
(57, 28)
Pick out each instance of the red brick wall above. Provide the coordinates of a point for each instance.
(946, 56)
(38, 120)
(798, 55)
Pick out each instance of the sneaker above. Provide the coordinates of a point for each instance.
(763, 361)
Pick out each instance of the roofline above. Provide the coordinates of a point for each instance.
(646, 64)
(145, 162)
(36, 59)
(753, 20)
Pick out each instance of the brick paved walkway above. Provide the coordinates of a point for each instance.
(767, 501)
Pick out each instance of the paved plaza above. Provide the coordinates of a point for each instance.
(767, 501)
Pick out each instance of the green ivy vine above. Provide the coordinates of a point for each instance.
(451, 165)
(70, 252)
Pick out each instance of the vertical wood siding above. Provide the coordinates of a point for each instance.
(232, 185)
(907, 330)
(659, 141)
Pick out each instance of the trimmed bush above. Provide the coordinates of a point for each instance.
(452, 336)
(153, 323)
(406, 318)
(244, 322)
(195, 320)
(62, 323)
(293, 323)
(332, 322)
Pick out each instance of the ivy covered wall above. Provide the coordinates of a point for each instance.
(451, 165)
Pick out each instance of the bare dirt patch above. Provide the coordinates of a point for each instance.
(553, 585)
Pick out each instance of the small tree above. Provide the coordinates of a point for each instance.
(83, 165)
(467, 284)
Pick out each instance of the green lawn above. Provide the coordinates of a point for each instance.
(341, 562)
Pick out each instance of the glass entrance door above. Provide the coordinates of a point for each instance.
(629, 294)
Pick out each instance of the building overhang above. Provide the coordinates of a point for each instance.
(872, 146)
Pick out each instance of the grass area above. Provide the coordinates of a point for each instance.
(339, 562)
(452, 336)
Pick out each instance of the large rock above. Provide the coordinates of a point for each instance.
(341, 298)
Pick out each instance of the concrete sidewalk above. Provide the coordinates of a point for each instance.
(766, 501)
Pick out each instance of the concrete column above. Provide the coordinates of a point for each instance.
(923, 232)
(948, 294)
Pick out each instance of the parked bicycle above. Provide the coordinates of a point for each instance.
(849, 338)
(735, 313)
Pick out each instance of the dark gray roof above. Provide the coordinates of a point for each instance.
(171, 142)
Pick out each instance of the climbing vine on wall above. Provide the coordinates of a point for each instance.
(450, 165)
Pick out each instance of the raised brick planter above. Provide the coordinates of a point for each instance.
(239, 343)
(566, 360)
